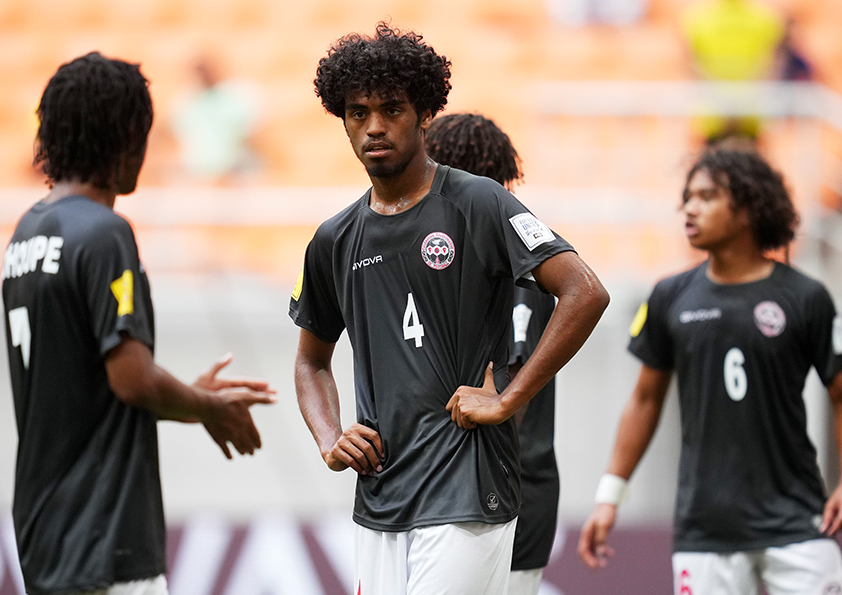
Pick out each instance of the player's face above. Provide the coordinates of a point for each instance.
(385, 132)
(711, 220)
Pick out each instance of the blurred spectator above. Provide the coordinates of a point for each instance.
(578, 13)
(214, 126)
(791, 64)
(732, 40)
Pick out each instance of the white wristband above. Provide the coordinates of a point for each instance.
(612, 489)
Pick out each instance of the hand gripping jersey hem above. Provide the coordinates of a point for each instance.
(432, 522)
(720, 547)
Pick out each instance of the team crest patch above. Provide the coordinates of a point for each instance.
(437, 250)
(531, 231)
(769, 318)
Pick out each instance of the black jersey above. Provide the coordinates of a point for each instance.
(426, 297)
(87, 500)
(748, 476)
(539, 480)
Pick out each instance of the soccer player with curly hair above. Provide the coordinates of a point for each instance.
(420, 272)
(741, 331)
(87, 508)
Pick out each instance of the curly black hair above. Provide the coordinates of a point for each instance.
(387, 64)
(93, 111)
(475, 144)
(755, 186)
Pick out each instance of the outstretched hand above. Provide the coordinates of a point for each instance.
(209, 381)
(470, 406)
(228, 416)
(593, 548)
(360, 448)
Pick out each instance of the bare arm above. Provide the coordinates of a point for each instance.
(359, 446)
(637, 426)
(222, 406)
(832, 518)
(581, 302)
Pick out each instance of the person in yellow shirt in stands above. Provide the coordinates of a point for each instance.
(732, 41)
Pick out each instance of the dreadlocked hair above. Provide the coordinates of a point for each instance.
(387, 64)
(475, 144)
(93, 111)
(755, 186)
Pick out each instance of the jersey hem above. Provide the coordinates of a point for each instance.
(746, 546)
(96, 586)
(399, 527)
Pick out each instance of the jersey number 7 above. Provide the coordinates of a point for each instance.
(20, 331)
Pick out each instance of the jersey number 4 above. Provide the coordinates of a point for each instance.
(20, 332)
(412, 327)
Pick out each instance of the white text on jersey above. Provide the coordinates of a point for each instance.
(22, 257)
(699, 315)
(367, 262)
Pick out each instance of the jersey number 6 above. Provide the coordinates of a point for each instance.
(736, 381)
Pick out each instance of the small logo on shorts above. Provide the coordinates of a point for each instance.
(437, 250)
(492, 501)
(769, 318)
(832, 589)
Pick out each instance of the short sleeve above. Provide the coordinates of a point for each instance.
(115, 286)
(824, 335)
(314, 305)
(650, 340)
(511, 239)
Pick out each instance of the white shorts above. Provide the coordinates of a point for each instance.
(525, 582)
(454, 559)
(149, 586)
(807, 568)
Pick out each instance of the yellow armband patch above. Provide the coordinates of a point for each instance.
(296, 292)
(639, 319)
(123, 290)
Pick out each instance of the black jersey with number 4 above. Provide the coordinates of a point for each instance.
(87, 499)
(748, 476)
(539, 480)
(426, 297)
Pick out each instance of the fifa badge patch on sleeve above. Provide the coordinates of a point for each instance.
(531, 231)
(639, 319)
(123, 290)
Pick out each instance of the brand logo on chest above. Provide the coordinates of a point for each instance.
(367, 262)
(437, 250)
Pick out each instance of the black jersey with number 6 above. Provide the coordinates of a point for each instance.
(87, 498)
(748, 476)
(426, 297)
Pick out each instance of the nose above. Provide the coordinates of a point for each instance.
(690, 205)
(376, 125)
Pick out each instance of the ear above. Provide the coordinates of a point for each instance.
(426, 119)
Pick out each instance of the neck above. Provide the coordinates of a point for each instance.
(738, 264)
(395, 194)
(75, 187)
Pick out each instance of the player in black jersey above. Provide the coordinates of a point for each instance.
(87, 506)
(476, 144)
(419, 271)
(741, 331)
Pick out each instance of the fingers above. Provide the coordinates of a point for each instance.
(220, 363)
(488, 380)
(223, 444)
(454, 405)
(359, 448)
(255, 385)
(586, 546)
(832, 518)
